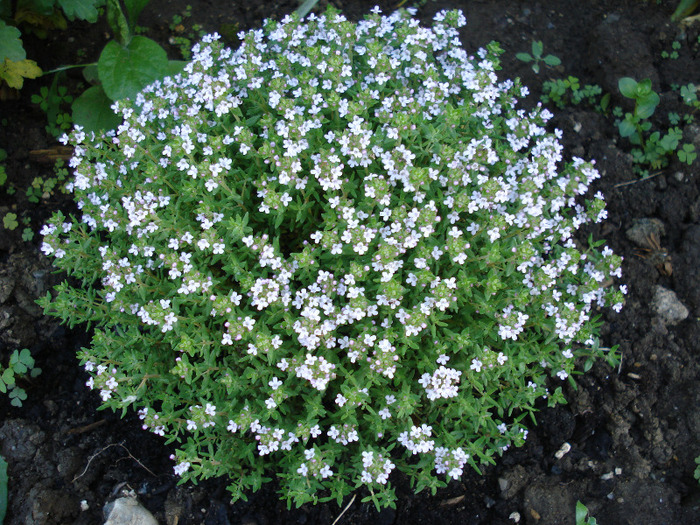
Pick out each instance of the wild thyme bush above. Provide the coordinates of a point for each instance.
(334, 252)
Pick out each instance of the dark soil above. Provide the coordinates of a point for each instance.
(633, 431)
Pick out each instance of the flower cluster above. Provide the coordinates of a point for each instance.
(337, 251)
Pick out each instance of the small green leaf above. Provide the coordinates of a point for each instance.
(581, 513)
(126, 70)
(17, 396)
(628, 87)
(8, 377)
(525, 57)
(687, 154)
(25, 356)
(537, 48)
(627, 128)
(10, 221)
(551, 60)
(10, 43)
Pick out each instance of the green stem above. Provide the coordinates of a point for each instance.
(66, 68)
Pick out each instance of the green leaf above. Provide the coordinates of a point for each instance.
(646, 106)
(687, 154)
(10, 43)
(90, 74)
(689, 93)
(134, 8)
(17, 396)
(25, 357)
(80, 9)
(8, 377)
(628, 87)
(117, 22)
(10, 221)
(537, 48)
(581, 513)
(126, 70)
(627, 128)
(685, 8)
(93, 111)
(304, 8)
(525, 57)
(175, 67)
(551, 60)
(14, 73)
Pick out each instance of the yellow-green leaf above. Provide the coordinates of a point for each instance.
(14, 73)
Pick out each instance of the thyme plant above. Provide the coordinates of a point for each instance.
(338, 251)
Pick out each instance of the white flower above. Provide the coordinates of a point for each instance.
(476, 365)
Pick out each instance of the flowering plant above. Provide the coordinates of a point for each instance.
(337, 251)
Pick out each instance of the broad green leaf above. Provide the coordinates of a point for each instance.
(126, 70)
(10, 43)
(117, 21)
(525, 57)
(134, 8)
(80, 9)
(175, 67)
(92, 111)
(628, 87)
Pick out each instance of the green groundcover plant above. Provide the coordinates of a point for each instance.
(335, 252)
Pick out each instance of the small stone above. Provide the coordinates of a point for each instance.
(643, 229)
(667, 306)
(127, 511)
(563, 451)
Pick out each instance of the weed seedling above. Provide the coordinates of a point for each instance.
(21, 364)
(536, 57)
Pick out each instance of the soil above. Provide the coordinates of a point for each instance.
(633, 430)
